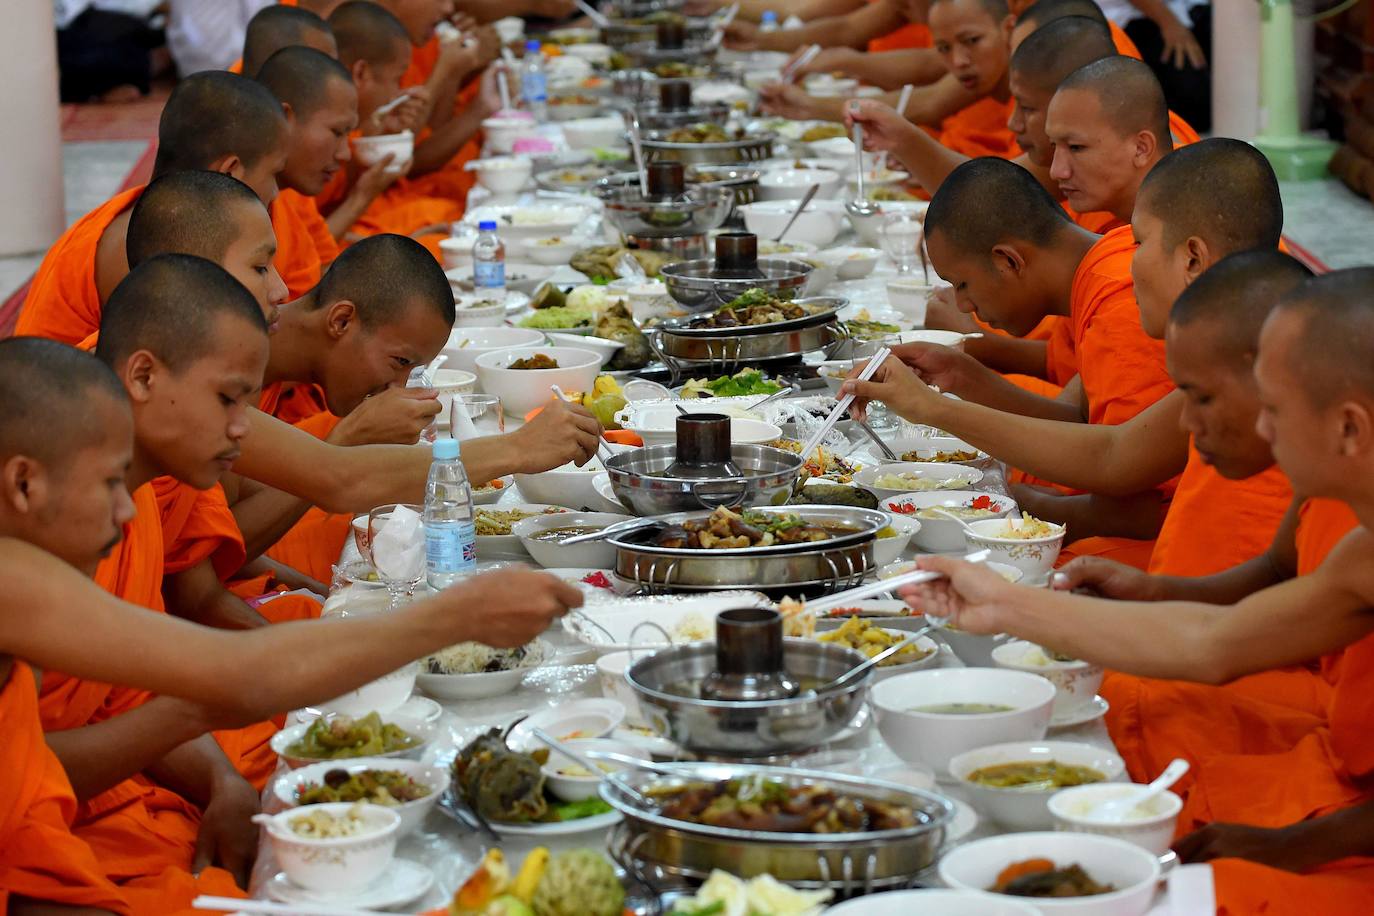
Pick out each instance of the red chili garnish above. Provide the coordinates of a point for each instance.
(597, 580)
(983, 502)
(902, 508)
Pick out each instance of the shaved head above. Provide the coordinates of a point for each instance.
(301, 78)
(997, 9)
(47, 387)
(386, 276)
(987, 201)
(213, 118)
(367, 31)
(170, 305)
(1052, 52)
(275, 27)
(187, 213)
(1221, 190)
(1043, 12)
(1333, 318)
(1234, 297)
(1129, 94)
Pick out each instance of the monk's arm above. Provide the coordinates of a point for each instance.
(886, 69)
(264, 516)
(1012, 355)
(100, 756)
(1297, 847)
(197, 594)
(449, 138)
(929, 104)
(59, 620)
(1287, 624)
(1089, 515)
(852, 30)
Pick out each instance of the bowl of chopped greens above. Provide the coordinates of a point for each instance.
(408, 787)
(742, 384)
(338, 737)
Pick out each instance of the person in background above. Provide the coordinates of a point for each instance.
(107, 50)
(1175, 39)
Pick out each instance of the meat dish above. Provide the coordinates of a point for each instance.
(752, 308)
(388, 788)
(727, 530)
(1041, 878)
(537, 361)
(773, 806)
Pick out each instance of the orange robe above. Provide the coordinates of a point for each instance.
(305, 246)
(1123, 42)
(40, 858)
(912, 35)
(981, 130)
(1182, 131)
(143, 835)
(63, 302)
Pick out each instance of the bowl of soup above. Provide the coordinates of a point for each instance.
(1012, 783)
(543, 537)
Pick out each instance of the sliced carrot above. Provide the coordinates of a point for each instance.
(1017, 869)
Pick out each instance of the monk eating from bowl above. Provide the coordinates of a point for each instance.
(1014, 257)
(1317, 393)
(374, 46)
(280, 26)
(74, 471)
(213, 121)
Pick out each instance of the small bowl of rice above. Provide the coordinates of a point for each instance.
(473, 671)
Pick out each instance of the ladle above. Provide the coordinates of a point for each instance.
(806, 199)
(860, 205)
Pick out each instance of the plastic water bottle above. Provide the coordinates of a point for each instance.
(768, 22)
(488, 260)
(534, 84)
(420, 378)
(450, 533)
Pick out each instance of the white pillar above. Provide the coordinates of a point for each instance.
(32, 215)
(1236, 63)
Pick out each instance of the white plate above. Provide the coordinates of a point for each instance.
(657, 745)
(402, 882)
(1088, 712)
(508, 546)
(574, 576)
(557, 720)
(925, 643)
(965, 822)
(595, 823)
(514, 301)
(422, 708)
(521, 277)
(621, 617)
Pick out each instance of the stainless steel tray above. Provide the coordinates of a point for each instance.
(637, 476)
(692, 356)
(820, 309)
(698, 286)
(749, 149)
(620, 33)
(696, 212)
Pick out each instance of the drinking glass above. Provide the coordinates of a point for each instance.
(902, 233)
(484, 410)
(400, 566)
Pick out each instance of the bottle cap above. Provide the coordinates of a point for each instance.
(769, 16)
(531, 45)
(486, 225)
(445, 449)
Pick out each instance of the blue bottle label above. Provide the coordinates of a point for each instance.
(534, 87)
(450, 547)
(489, 274)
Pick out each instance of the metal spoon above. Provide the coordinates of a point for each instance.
(586, 764)
(882, 446)
(806, 199)
(882, 656)
(789, 390)
(860, 205)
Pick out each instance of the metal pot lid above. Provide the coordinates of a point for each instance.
(822, 309)
(932, 811)
(866, 523)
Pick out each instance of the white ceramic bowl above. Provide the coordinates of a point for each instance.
(508, 546)
(1075, 682)
(887, 672)
(593, 133)
(592, 554)
(371, 150)
(1027, 809)
(889, 550)
(610, 677)
(336, 866)
(594, 718)
(792, 184)
(601, 346)
(518, 224)
(942, 535)
(520, 277)
(833, 148)
(869, 228)
(554, 250)
(941, 476)
(818, 224)
(952, 339)
(852, 263)
(384, 695)
(449, 382)
(483, 684)
(418, 728)
(503, 174)
(576, 788)
(931, 739)
(456, 250)
(566, 485)
(592, 52)
(1033, 556)
(503, 131)
(412, 813)
(933, 901)
(466, 344)
(478, 316)
(522, 390)
(510, 28)
(909, 297)
(651, 302)
(1131, 870)
(1152, 830)
(928, 447)
(742, 432)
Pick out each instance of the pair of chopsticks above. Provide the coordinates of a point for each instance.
(235, 905)
(844, 402)
(789, 73)
(915, 577)
(603, 451)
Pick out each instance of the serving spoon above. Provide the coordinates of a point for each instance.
(1117, 809)
(860, 206)
(806, 199)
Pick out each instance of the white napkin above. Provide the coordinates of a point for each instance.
(460, 423)
(398, 549)
(793, 22)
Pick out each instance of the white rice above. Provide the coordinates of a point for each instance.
(476, 658)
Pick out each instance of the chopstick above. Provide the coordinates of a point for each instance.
(790, 71)
(593, 13)
(391, 106)
(915, 577)
(235, 905)
(844, 402)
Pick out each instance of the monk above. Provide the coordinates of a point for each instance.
(321, 105)
(74, 471)
(1318, 397)
(374, 46)
(213, 121)
(1014, 257)
(280, 26)
(969, 105)
(1041, 13)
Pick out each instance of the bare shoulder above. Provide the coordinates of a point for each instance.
(1350, 566)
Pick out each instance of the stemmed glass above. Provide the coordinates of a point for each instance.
(397, 554)
(901, 233)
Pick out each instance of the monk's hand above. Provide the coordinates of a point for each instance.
(786, 100)
(893, 384)
(513, 605)
(884, 129)
(488, 44)
(459, 57)
(463, 22)
(943, 313)
(1181, 46)
(829, 60)
(228, 837)
(489, 89)
(1276, 847)
(409, 115)
(396, 416)
(942, 367)
(967, 597)
(560, 433)
(1106, 578)
(742, 36)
